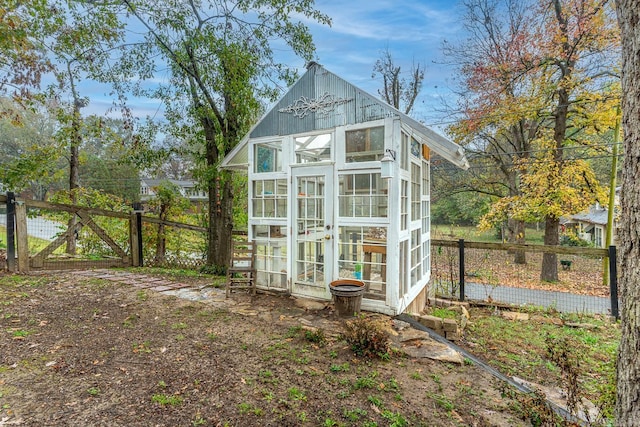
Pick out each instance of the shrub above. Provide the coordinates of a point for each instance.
(366, 338)
(317, 336)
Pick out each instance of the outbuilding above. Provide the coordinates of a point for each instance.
(339, 187)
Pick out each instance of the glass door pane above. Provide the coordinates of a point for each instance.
(314, 238)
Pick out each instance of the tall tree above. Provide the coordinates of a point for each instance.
(22, 62)
(77, 40)
(499, 121)
(29, 156)
(582, 35)
(398, 91)
(628, 383)
(220, 59)
(72, 38)
(541, 86)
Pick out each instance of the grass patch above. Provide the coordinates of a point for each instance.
(164, 399)
(444, 313)
(19, 333)
(529, 349)
(472, 233)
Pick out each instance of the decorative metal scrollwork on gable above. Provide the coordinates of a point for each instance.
(323, 105)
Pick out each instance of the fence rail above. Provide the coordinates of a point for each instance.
(489, 272)
(567, 250)
(38, 236)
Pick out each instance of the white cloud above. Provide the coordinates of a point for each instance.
(403, 20)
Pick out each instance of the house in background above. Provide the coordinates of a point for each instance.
(591, 225)
(187, 189)
(339, 187)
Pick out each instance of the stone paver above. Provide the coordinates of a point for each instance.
(161, 288)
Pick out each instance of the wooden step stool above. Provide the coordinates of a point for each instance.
(241, 273)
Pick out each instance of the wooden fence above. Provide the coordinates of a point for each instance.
(121, 245)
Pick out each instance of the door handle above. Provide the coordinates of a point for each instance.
(327, 236)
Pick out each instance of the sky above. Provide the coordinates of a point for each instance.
(412, 31)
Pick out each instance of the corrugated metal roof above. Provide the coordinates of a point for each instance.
(322, 100)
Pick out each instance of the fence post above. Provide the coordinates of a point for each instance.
(461, 262)
(22, 236)
(136, 235)
(139, 227)
(613, 282)
(133, 240)
(11, 230)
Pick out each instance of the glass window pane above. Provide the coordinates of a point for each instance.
(415, 191)
(271, 256)
(267, 157)
(404, 147)
(312, 149)
(362, 195)
(364, 145)
(269, 198)
(415, 148)
(362, 252)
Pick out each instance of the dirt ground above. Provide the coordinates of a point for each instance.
(86, 351)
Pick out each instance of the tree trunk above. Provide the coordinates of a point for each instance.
(628, 383)
(519, 257)
(220, 206)
(552, 231)
(516, 227)
(549, 271)
(74, 177)
(220, 222)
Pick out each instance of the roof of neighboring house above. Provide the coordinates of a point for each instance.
(595, 215)
(322, 100)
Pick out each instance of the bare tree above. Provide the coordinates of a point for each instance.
(397, 91)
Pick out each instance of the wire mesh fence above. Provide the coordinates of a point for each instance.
(55, 236)
(492, 273)
(173, 245)
(62, 237)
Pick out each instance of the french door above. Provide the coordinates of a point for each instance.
(313, 231)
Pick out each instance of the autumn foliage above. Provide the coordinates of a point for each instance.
(538, 82)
